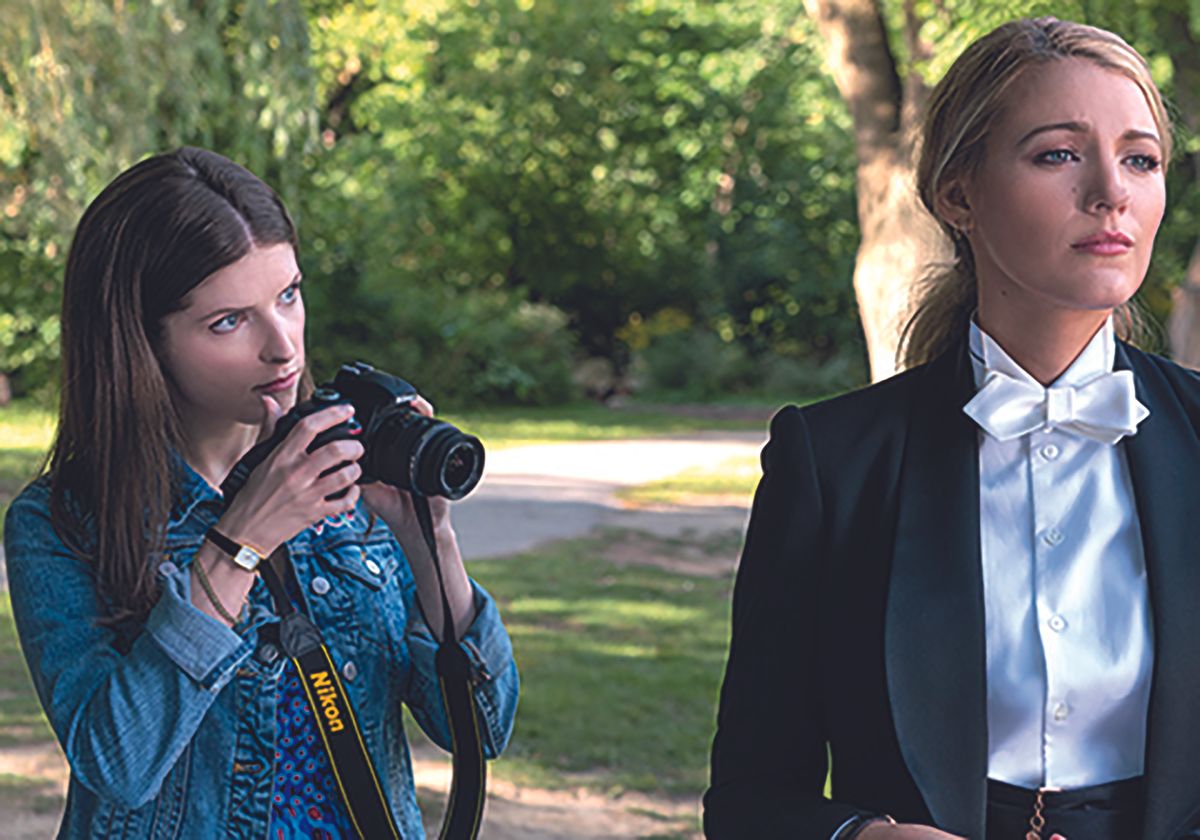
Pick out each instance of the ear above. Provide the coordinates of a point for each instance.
(952, 206)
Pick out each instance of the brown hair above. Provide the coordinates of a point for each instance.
(143, 244)
(963, 108)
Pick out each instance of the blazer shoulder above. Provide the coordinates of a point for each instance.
(1155, 371)
(855, 414)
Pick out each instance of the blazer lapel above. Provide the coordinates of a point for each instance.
(1164, 465)
(934, 624)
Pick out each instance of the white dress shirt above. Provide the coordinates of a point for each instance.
(1067, 607)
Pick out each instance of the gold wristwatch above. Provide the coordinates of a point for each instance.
(245, 556)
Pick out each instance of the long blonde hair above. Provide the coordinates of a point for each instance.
(963, 108)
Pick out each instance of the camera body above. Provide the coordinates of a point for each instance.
(403, 448)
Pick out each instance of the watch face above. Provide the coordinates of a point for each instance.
(247, 558)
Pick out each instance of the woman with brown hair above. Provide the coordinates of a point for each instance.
(966, 592)
(154, 645)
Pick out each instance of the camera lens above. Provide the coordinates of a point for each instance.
(429, 456)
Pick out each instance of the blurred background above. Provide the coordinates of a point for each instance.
(575, 224)
(534, 201)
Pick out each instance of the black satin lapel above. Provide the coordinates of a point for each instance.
(934, 630)
(1164, 464)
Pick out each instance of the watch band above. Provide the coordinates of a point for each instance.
(245, 556)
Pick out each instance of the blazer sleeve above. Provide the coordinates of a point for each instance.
(769, 756)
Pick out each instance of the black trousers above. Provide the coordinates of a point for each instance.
(1110, 811)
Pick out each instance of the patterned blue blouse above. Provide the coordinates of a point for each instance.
(306, 803)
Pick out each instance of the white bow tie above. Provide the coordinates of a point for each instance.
(1104, 409)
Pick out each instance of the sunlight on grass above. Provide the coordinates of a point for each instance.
(620, 668)
(500, 428)
(21, 717)
(732, 480)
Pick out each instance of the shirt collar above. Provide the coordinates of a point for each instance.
(190, 488)
(1094, 360)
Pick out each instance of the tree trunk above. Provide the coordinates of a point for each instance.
(899, 238)
(1183, 328)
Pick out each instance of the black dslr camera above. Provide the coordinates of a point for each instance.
(403, 448)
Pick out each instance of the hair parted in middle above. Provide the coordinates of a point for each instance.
(963, 108)
(144, 243)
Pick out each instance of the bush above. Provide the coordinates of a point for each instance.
(698, 365)
(694, 364)
(478, 348)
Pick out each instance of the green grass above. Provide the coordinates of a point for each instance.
(25, 433)
(504, 427)
(620, 668)
(732, 480)
(21, 719)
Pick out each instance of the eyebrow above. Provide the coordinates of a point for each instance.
(1083, 128)
(229, 310)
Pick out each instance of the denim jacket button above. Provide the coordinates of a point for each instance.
(373, 567)
(268, 653)
(320, 585)
(350, 671)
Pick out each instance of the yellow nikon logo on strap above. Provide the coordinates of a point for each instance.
(327, 696)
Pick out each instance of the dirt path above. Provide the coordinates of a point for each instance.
(30, 810)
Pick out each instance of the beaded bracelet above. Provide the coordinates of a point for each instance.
(212, 595)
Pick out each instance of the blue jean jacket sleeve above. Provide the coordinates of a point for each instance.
(122, 718)
(487, 644)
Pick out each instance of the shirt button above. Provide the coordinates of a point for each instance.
(373, 567)
(349, 671)
(1061, 711)
(1050, 452)
(1053, 537)
(320, 585)
(1057, 623)
(268, 653)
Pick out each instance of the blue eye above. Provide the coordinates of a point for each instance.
(1144, 163)
(291, 294)
(1056, 156)
(226, 324)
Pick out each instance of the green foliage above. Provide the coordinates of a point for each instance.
(489, 190)
(613, 158)
(88, 88)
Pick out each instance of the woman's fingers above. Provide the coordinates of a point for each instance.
(272, 411)
(299, 438)
(423, 406)
(331, 455)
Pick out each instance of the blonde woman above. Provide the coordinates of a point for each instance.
(970, 591)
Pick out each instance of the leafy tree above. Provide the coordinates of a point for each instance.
(74, 111)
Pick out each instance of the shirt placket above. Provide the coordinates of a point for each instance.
(1052, 545)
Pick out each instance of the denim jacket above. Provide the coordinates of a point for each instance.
(169, 725)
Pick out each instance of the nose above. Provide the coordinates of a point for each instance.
(279, 345)
(1106, 189)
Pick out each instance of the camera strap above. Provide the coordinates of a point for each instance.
(457, 675)
(301, 641)
(352, 769)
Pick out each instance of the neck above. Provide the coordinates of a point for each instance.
(212, 447)
(1044, 342)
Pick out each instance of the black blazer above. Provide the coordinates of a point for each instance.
(858, 612)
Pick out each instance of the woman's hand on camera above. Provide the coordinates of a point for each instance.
(288, 491)
(395, 507)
